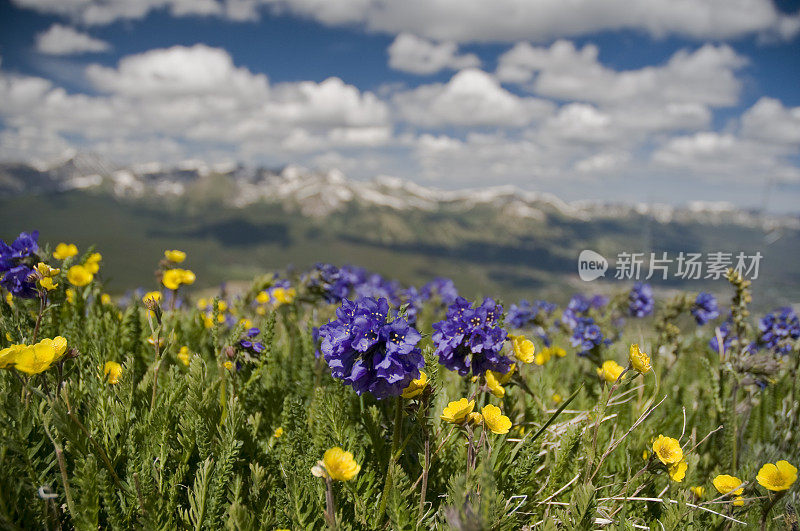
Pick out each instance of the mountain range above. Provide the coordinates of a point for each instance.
(240, 221)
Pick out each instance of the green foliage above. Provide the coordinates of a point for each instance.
(207, 445)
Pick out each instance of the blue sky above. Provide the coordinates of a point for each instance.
(647, 100)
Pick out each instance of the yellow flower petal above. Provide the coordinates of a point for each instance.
(340, 465)
(457, 411)
(668, 450)
(494, 419)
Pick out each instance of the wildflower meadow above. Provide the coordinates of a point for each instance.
(335, 398)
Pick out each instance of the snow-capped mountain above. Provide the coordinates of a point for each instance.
(320, 193)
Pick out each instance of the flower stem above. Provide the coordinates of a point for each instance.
(330, 505)
(398, 429)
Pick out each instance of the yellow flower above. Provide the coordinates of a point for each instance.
(340, 465)
(557, 398)
(70, 295)
(247, 323)
(558, 351)
(523, 348)
(543, 356)
(65, 250)
(105, 298)
(416, 386)
(278, 432)
(262, 297)
(184, 355)
(726, 484)
(79, 276)
(38, 358)
(284, 295)
(48, 284)
(698, 491)
(474, 418)
(154, 296)
(668, 450)
(175, 256)
(677, 471)
(93, 262)
(610, 371)
(173, 278)
(112, 371)
(457, 411)
(8, 356)
(494, 384)
(46, 271)
(495, 420)
(9, 299)
(228, 365)
(188, 277)
(639, 360)
(777, 477)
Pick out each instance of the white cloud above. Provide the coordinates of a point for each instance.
(769, 121)
(189, 100)
(459, 21)
(410, 53)
(727, 156)
(705, 76)
(471, 98)
(198, 69)
(64, 40)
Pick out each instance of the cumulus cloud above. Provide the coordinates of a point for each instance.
(727, 156)
(769, 121)
(471, 98)
(190, 99)
(704, 76)
(455, 20)
(64, 40)
(410, 53)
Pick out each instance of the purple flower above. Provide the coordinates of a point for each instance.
(247, 343)
(641, 301)
(469, 339)
(332, 283)
(587, 336)
(728, 337)
(779, 330)
(705, 308)
(411, 297)
(440, 287)
(16, 264)
(368, 353)
(525, 314)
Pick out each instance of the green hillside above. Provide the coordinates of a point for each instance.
(482, 249)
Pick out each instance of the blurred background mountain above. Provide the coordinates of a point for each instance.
(237, 222)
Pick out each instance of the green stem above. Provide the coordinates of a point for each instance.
(398, 428)
(62, 466)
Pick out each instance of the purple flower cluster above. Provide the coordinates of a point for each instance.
(705, 308)
(16, 264)
(248, 343)
(641, 300)
(469, 338)
(578, 306)
(525, 314)
(728, 337)
(440, 287)
(587, 336)
(411, 297)
(330, 282)
(368, 353)
(779, 330)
